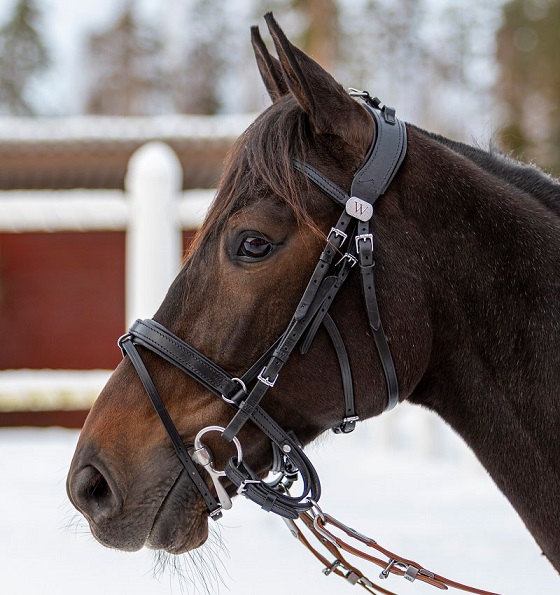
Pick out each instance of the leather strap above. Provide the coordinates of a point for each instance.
(348, 423)
(364, 246)
(214, 508)
(316, 292)
(329, 188)
(175, 350)
(390, 563)
(158, 339)
(384, 158)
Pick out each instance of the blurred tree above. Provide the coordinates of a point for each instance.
(125, 67)
(197, 80)
(528, 50)
(23, 56)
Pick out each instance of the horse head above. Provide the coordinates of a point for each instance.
(235, 295)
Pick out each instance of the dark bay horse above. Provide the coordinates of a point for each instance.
(467, 253)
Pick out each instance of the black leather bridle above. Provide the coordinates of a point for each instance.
(352, 230)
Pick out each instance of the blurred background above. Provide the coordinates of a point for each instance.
(108, 105)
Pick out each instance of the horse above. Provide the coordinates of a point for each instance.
(465, 281)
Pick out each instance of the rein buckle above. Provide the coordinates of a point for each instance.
(244, 483)
(332, 567)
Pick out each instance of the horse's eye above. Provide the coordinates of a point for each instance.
(254, 247)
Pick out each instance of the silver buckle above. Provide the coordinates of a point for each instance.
(350, 258)
(364, 237)
(398, 564)
(337, 233)
(266, 380)
(333, 566)
(244, 483)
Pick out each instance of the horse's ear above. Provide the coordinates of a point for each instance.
(330, 108)
(269, 67)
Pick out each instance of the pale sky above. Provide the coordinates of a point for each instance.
(68, 22)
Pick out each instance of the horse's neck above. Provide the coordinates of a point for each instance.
(492, 273)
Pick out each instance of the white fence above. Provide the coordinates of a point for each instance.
(153, 210)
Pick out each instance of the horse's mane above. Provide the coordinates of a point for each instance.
(525, 177)
(260, 164)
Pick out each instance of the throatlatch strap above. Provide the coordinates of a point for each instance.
(364, 245)
(350, 418)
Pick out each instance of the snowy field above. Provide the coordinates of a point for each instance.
(443, 512)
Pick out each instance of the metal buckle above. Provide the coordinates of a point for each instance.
(364, 237)
(333, 566)
(216, 514)
(353, 92)
(266, 380)
(373, 101)
(244, 483)
(337, 233)
(402, 565)
(351, 576)
(385, 573)
(350, 258)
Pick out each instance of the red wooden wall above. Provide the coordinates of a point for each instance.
(61, 299)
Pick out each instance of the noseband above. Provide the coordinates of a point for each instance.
(351, 237)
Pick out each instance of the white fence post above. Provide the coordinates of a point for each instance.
(153, 238)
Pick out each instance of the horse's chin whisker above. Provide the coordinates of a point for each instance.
(197, 571)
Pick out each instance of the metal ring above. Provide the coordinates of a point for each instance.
(198, 444)
(242, 385)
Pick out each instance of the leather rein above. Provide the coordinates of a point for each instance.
(352, 238)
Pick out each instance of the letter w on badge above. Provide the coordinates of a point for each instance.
(358, 208)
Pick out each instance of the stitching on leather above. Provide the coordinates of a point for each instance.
(382, 184)
(181, 359)
(374, 152)
(324, 183)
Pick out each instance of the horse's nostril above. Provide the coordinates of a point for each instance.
(98, 487)
(91, 493)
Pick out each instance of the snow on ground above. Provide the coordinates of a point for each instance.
(445, 513)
